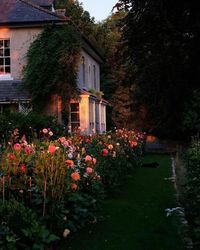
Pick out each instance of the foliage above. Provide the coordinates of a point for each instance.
(20, 228)
(29, 125)
(63, 181)
(51, 57)
(192, 190)
(162, 39)
(192, 113)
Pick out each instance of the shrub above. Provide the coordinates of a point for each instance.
(192, 190)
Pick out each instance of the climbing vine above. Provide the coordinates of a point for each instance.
(52, 65)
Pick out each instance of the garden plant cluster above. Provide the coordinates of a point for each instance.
(192, 190)
(50, 188)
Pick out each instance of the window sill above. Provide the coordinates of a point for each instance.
(5, 77)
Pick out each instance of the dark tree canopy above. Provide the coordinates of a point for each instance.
(163, 47)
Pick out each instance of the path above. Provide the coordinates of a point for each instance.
(136, 219)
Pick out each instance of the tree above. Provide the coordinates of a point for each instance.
(162, 38)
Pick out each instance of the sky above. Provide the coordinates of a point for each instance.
(99, 9)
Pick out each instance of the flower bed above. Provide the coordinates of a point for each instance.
(50, 188)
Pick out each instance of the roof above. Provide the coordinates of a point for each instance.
(16, 12)
(11, 91)
(43, 2)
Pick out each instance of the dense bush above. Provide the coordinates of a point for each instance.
(30, 125)
(62, 182)
(192, 191)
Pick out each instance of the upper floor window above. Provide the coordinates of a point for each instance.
(83, 70)
(4, 56)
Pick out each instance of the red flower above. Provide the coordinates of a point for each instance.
(22, 168)
(133, 144)
(73, 186)
(11, 156)
(104, 152)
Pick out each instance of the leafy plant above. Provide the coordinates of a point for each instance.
(52, 65)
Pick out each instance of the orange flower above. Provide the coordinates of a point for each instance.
(75, 176)
(51, 149)
(110, 146)
(133, 144)
(69, 163)
(73, 186)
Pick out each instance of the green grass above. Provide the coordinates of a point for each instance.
(136, 218)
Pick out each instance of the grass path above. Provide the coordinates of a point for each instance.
(135, 219)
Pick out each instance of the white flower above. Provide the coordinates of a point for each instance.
(66, 233)
(70, 155)
(50, 133)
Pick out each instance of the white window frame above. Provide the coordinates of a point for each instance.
(74, 112)
(4, 75)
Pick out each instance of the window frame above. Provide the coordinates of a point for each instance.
(3, 57)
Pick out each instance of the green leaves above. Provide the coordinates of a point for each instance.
(52, 64)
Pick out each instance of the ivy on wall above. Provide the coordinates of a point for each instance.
(52, 65)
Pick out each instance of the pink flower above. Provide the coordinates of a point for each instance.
(94, 161)
(22, 168)
(45, 130)
(88, 158)
(104, 152)
(87, 140)
(17, 147)
(27, 150)
(89, 170)
(52, 149)
(62, 139)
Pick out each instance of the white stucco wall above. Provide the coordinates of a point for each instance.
(20, 41)
(89, 76)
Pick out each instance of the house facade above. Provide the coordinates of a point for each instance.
(21, 21)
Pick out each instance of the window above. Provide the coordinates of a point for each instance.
(75, 117)
(95, 78)
(4, 56)
(92, 116)
(83, 70)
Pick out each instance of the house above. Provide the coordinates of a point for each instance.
(21, 21)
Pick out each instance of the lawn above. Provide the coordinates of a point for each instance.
(136, 218)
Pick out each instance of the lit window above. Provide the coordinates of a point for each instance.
(92, 115)
(4, 56)
(75, 117)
